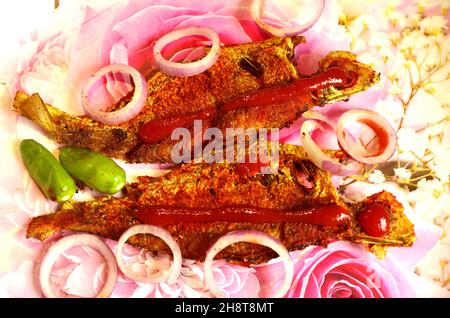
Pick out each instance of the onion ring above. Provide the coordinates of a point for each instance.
(316, 5)
(314, 114)
(319, 157)
(186, 69)
(172, 275)
(381, 127)
(67, 243)
(251, 237)
(124, 114)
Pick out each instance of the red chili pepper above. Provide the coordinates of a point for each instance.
(334, 76)
(158, 129)
(331, 215)
(374, 220)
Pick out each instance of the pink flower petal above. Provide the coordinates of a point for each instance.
(81, 280)
(427, 236)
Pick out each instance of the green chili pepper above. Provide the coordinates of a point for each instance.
(94, 169)
(46, 171)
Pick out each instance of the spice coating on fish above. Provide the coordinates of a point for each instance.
(239, 70)
(297, 185)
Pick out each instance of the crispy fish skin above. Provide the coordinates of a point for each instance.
(279, 115)
(284, 113)
(173, 96)
(220, 185)
(170, 96)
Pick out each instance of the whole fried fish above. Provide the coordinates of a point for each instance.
(297, 186)
(240, 69)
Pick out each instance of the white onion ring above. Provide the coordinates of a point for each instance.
(186, 69)
(319, 157)
(313, 114)
(175, 268)
(378, 124)
(67, 243)
(317, 5)
(251, 237)
(127, 112)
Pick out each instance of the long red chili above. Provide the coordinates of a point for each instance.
(331, 215)
(334, 76)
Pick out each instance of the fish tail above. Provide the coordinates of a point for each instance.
(34, 108)
(42, 227)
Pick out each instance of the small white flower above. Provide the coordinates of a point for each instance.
(397, 19)
(411, 40)
(402, 173)
(393, 3)
(376, 177)
(431, 199)
(379, 40)
(433, 187)
(440, 163)
(368, 58)
(391, 109)
(428, 4)
(409, 140)
(385, 52)
(433, 25)
(414, 20)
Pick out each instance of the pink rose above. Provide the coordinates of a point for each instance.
(342, 270)
(84, 36)
(346, 270)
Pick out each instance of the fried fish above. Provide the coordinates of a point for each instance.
(298, 186)
(240, 69)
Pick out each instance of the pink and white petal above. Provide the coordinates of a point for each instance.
(427, 236)
(229, 29)
(250, 288)
(81, 281)
(21, 283)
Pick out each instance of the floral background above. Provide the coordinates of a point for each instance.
(52, 51)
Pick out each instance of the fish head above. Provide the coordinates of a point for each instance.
(401, 229)
(361, 76)
(269, 61)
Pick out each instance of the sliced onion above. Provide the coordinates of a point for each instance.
(387, 140)
(67, 243)
(313, 114)
(127, 112)
(313, 7)
(319, 157)
(251, 237)
(186, 69)
(175, 268)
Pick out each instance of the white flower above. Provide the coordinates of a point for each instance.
(414, 20)
(431, 199)
(433, 186)
(412, 40)
(397, 18)
(391, 108)
(354, 9)
(440, 163)
(433, 25)
(368, 58)
(409, 140)
(379, 40)
(402, 173)
(428, 4)
(376, 177)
